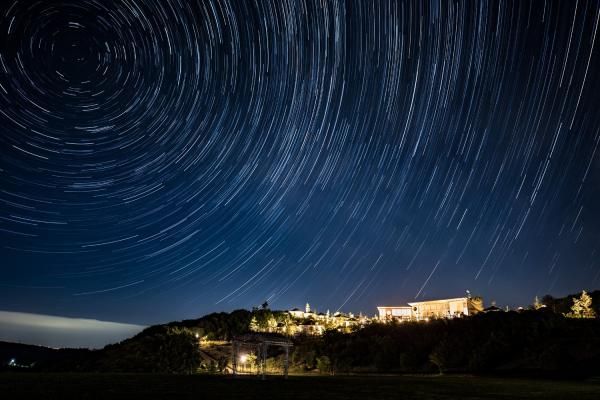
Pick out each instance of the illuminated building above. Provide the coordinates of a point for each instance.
(431, 309)
(401, 313)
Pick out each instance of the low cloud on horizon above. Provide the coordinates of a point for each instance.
(60, 332)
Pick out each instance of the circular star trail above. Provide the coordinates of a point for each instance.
(165, 158)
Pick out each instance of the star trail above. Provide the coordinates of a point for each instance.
(163, 159)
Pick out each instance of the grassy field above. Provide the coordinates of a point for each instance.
(124, 386)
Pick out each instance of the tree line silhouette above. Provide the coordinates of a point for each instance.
(537, 341)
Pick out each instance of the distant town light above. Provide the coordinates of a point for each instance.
(243, 358)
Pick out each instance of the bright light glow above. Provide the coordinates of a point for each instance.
(243, 358)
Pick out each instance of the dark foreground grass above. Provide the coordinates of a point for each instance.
(125, 386)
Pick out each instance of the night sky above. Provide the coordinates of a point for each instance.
(162, 159)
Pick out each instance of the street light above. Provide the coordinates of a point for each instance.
(243, 360)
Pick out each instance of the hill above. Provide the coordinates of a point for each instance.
(24, 356)
(533, 342)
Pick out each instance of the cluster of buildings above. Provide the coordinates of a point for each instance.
(307, 321)
(311, 322)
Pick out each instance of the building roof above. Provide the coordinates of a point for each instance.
(378, 307)
(414, 303)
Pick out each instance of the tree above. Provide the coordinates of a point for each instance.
(212, 367)
(265, 305)
(537, 304)
(254, 325)
(549, 302)
(271, 324)
(289, 325)
(582, 307)
(324, 365)
(163, 350)
(250, 362)
(222, 363)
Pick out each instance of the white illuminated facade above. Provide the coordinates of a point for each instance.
(432, 309)
(401, 313)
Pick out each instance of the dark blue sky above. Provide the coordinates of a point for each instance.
(164, 159)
